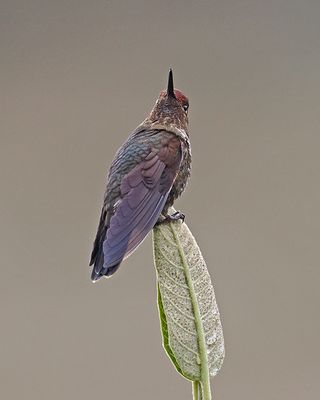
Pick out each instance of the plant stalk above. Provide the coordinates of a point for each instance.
(195, 390)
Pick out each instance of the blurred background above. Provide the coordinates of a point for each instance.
(76, 78)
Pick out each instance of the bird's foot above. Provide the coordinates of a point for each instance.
(163, 219)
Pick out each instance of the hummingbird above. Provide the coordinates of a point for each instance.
(149, 172)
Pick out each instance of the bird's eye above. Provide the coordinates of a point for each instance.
(185, 107)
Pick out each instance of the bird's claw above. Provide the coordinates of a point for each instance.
(170, 218)
(176, 216)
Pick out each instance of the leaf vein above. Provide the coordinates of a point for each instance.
(173, 280)
(178, 309)
(174, 293)
(181, 326)
(204, 288)
(166, 237)
(169, 261)
(184, 345)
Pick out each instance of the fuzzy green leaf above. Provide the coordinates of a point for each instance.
(190, 321)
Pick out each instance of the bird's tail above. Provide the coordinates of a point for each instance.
(97, 255)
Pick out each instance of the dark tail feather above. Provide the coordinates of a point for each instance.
(97, 256)
(96, 275)
(99, 271)
(97, 266)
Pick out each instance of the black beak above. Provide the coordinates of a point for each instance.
(170, 90)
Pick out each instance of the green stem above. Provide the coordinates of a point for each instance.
(204, 374)
(195, 390)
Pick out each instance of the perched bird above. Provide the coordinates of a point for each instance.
(149, 171)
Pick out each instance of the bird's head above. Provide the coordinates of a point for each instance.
(171, 108)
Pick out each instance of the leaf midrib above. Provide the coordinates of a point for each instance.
(204, 369)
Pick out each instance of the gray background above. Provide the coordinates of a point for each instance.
(76, 78)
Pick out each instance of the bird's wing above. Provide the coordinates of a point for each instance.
(144, 191)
